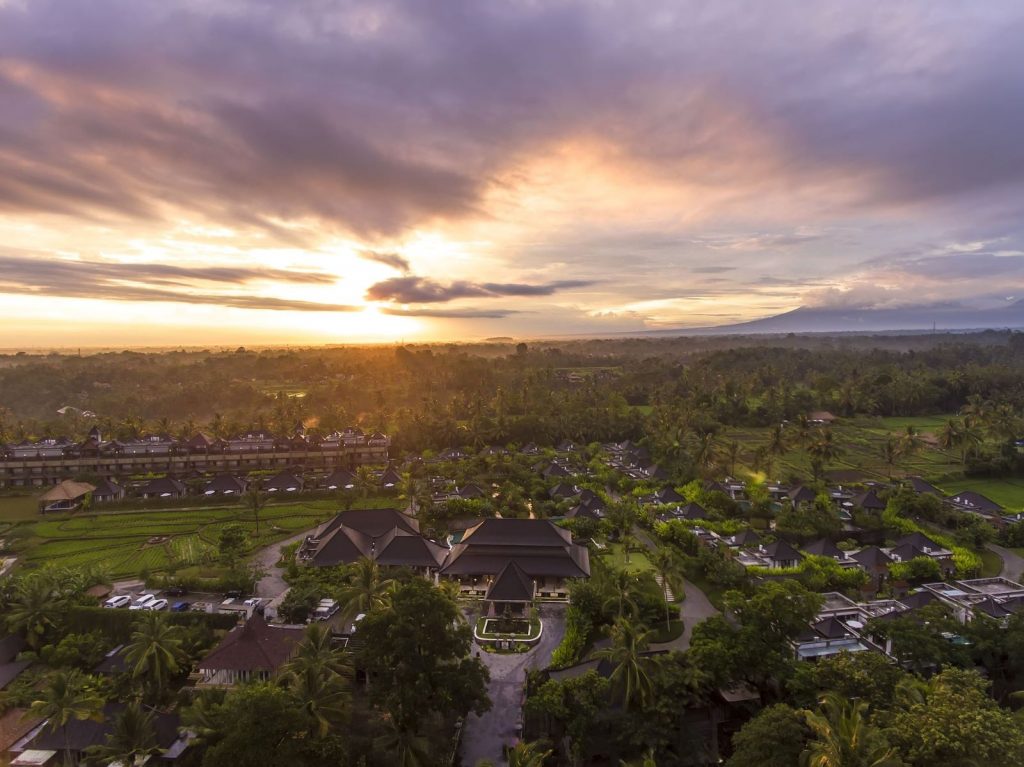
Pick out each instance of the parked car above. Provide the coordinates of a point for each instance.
(176, 591)
(233, 594)
(142, 603)
(157, 604)
(180, 607)
(118, 602)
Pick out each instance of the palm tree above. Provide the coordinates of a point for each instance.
(323, 697)
(36, 608)
(132, 739)
(316, 651)
(844, 738)
(155, 651)
(666, 565)
(778, 442)
(891, 453)
(67, 696)
(631, 676)
(951, 434)
(910, 441)
(525, 754)
(366, 590)
(623, 599)
(732, 454)
(404, 747)
(823, 450)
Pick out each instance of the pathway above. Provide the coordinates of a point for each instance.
(695, 608)
(272, 583)
(1013, 563)
(484, 736)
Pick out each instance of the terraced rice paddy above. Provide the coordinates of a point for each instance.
(128, 542)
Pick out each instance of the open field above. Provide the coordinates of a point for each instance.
(861, 441)
(128, 542)
(615, 558)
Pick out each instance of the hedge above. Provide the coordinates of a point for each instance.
(117, 625)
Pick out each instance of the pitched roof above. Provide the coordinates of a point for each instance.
(918, 540)
(745, 538)
(824, 548)
(781, 551)
(15, 724)
(976, 501)
(868, 500)
(801, 494)
(831, 628)
(283, 481)
(872, 556)
(82, 733)
(693, 510)
(163, 486)
(918, 599)
(105, 487)
(254, 646)
(511, 585)
(10, 646)
(385, 535)
(340, 478)
(68, 490)
(536, 545)
(11, 671)
(921, 487)
(224, 483)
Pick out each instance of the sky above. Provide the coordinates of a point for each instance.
(209, 172)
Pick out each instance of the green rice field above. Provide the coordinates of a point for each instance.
(128, 542)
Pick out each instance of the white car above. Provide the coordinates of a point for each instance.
(118, 602)
(143, 602)
(157, 604)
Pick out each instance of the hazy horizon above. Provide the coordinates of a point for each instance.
(295, 173)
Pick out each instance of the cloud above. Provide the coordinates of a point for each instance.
(154, 282)
(712, 269)
(451, 313)
(422, 290)
(394, 260)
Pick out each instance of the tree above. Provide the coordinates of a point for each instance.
(365, 481)
(952, 720)
(366, 590)
(823, 450)
(404, 747)
(132, 739)
(624, 588)
(891, 453)
(416, 651)
(528, 754)
(773, 738)
(917, 639)
(666, 565)
(256, 725)
(867, 676)
(842, 737)
(231, 544)
(318, 676)
(255, 500)
(576, 705)
(631, 674)
(68, 695)
(36, 608)
(155, 653)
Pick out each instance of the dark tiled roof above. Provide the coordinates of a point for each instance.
(824, 548)
(225, 483)
(919, 541)
(283, 481)
(106, 487)
(801, 494)
(869, 500)
(384, 535)
(82, 733)
(918, 485)
(162, 485)
(511, 585)
(254, 646)
(918, 599)
(746, 538)
(693, 510)
(11, 671)
(831, 628)
(781, 551)
(536, 545)
(871, 557)
(976, 501)
(340, 478)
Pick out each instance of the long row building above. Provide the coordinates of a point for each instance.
(47, 462)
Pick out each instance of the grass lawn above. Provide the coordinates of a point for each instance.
(1008, 493)
(185, 540)
(615, 558)
(661, 634)
(991, 564)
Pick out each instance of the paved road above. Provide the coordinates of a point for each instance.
(484, 736)
(1013, 564)
(695, 607)
(272, 584)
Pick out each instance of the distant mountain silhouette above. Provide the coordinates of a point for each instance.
(814, 319)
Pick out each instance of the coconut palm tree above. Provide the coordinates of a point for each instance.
(844, 738)
(624, 589)
(67, 695)
(631, 677)
(155, 652)
(404, 747)
(823, 450)
(366, 481)
(366, 590)
(132, 739)
(36, 608)
(322, 695)
(910, 441)
(778, 441)
(891, 453)
(525, 754)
